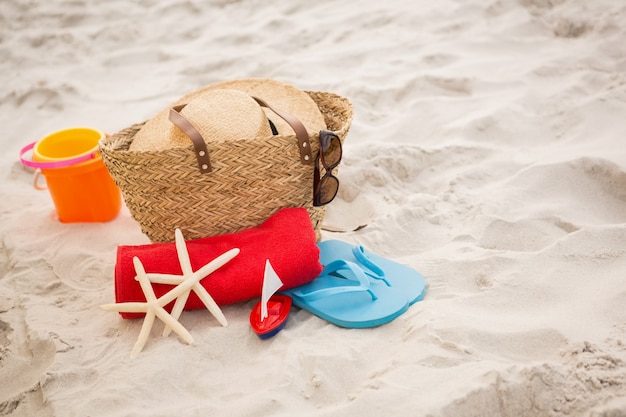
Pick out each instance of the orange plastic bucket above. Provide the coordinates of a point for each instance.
(78, 181)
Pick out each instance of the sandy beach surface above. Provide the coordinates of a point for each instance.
(486, 151)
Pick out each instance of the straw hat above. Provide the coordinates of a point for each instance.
(226, 111)
(218, 115)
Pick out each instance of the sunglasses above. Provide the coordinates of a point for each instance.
(325, 187)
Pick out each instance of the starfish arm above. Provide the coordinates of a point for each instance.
(216, 263)
(175, 292)
(210, 304)
(143, 334)
(202, 293)
(183, 254)
(169, 279)
(144, 282)
(176, 310)
(174, 325)
(130, 307)
(197, 276)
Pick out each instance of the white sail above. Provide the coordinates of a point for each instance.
(271, 284)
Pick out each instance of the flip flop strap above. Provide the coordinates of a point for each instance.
(374, 270)
(353, 274)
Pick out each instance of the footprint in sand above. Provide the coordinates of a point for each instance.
(561, 198)
(24, 359)
(585, 381)
(563, 25)
(527, 235)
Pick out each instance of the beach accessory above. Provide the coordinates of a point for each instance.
(375, 267)
(188, 273)
(287, 239)
(217, 115)
(329, 154)
(154, 307)
(345, 296)
(78, 181)
(269, 315)
(244, 177)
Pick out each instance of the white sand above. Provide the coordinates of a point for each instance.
(487, 151)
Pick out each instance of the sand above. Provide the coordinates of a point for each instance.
(487, 152)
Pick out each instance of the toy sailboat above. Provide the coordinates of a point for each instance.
(269, 315)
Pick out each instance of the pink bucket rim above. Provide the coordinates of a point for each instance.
(56, 164)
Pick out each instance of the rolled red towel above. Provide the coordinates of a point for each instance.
(287, 239)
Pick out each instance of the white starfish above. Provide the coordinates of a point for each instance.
(201, 292)
(153, 307)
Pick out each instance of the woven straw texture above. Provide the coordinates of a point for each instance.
(250, 181)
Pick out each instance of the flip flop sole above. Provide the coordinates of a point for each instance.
(399, 276)
(356, 309)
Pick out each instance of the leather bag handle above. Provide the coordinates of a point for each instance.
(202, 152)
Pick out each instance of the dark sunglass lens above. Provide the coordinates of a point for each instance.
(331, 150)
(332, 154)
(327, 190)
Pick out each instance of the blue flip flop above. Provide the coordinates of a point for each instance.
(345, 296)
(379, 269)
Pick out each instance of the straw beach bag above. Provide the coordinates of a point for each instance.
(224, 158)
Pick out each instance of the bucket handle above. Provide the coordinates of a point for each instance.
(57, 164)
(36, 179)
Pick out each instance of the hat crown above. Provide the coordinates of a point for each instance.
(226, 111)
(218, 115)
